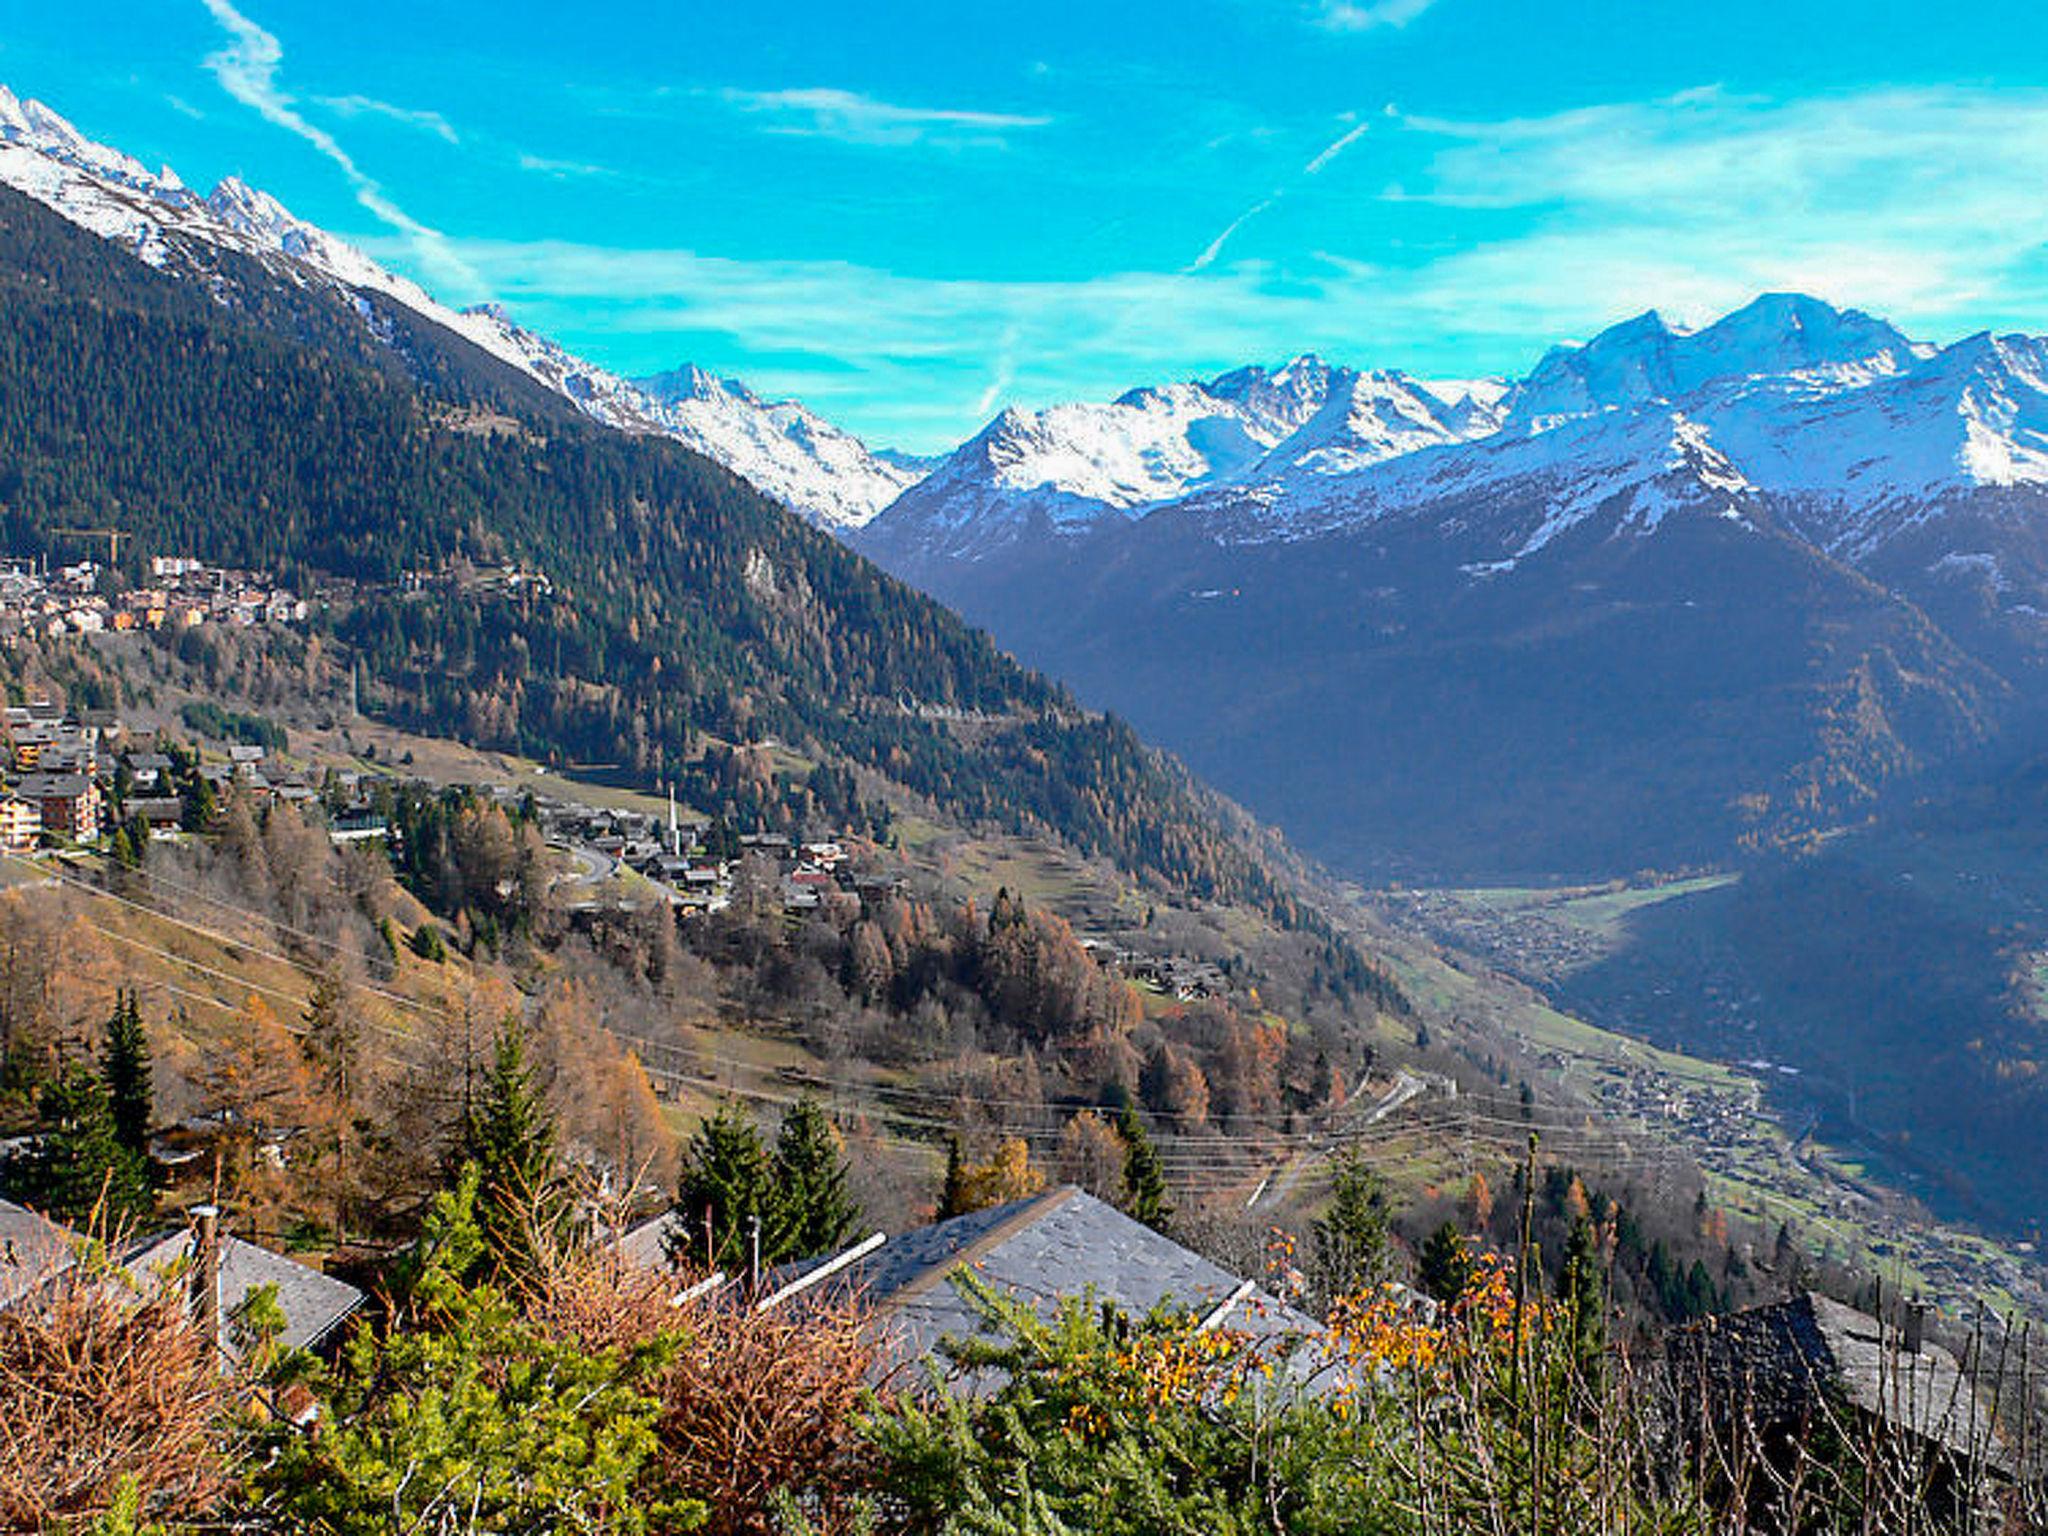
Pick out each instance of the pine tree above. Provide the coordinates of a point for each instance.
(727, 1184)
(1145, 1194)
(510, 1137)
(81, 1159)
(125, 1069)
(814, 1213)
(1444, 1267)
(1351, 1247)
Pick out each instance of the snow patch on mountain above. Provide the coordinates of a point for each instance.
(782, 446)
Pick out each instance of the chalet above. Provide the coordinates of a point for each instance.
(162, 812)
(30, 738)
(1061, 1244)
(34, 1252)
(76, 752)
(1764, 1382)
(315, 1305)
(356, 823)
(806, 887)
(69, 802)
(21, 823)
(147, 771)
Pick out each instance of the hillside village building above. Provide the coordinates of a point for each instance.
(69, 802)
(1058, 1245)
(36, 1253)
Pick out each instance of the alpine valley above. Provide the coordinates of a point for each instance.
(1762, 604)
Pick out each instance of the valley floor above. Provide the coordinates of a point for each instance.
(1497, 958)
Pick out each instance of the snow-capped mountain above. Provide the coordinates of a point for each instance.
(1646, 359)
(1673, 593)
(782, 446)
(1854, 431)
(1068, 468)
(814, 468)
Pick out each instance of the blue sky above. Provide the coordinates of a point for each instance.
(911, 214)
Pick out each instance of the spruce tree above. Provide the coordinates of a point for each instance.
(125, 1069)
(1351, 1248)
(727, 1183)
(1145, 1194)
(511, 1139)
(1584, 1290)
(81, 1159)
(814, 1213)
(953, 1193)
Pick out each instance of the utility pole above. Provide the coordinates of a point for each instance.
(205, 1281)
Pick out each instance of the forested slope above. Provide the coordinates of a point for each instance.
(256, 427)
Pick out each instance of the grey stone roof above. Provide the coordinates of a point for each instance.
(1063, 1243)
(314, 1305)
(1771, 1362)
(643, 1246)
(33, 1250)
(52, 786)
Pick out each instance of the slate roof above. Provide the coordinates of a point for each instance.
(52, 786)
(314, 1305)
(643, 1246)
(1063, 1243)
(33, 1250)
(1773, 1361)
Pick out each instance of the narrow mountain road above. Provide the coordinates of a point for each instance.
(1276, 1187)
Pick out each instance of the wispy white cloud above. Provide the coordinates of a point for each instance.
(1922, 199)
(247, 65)
(1368, 15)
(411, 117)
(1215, 247)
(1332, 151)
(184, 108)
(854, 118)
(1920, 205)
(543, 165)
(1315, 166)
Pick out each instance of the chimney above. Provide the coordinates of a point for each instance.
(1915, 1333)
(205, 1279)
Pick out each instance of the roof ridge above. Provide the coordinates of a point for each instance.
(1039, 1207)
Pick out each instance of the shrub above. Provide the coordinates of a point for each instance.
(109, 1399)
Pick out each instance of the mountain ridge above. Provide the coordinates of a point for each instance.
(804, 462)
